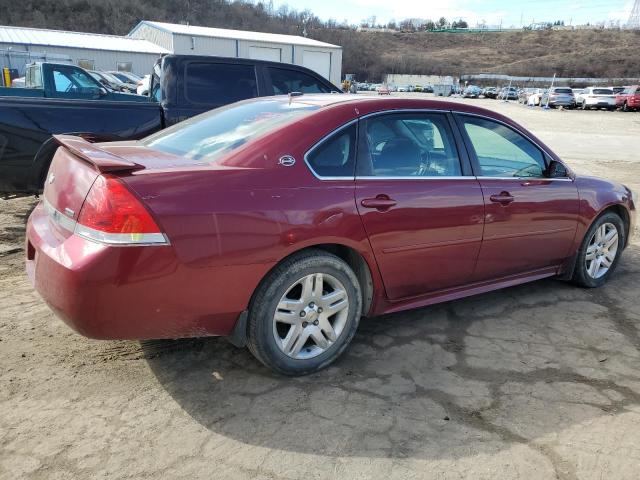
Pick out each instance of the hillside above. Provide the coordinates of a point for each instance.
(370, 55)
(579, 53)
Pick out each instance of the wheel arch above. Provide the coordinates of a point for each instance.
(618, 209)
(348, 254)
(624, 215)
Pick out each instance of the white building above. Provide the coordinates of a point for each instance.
(323, 58)
(406, 79)
(88, 50)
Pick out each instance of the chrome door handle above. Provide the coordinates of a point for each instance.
(381, 202)
(504, 198)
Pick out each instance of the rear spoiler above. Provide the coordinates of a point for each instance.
(102, 160)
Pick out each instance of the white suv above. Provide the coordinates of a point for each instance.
(596, 97)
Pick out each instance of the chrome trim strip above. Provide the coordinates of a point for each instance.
(525, 179)
(319, 142)
(58, 217)
(120, 239)
(373, 177)
(462, 177)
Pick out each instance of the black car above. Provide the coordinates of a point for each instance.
(181, 86)
(490, 92)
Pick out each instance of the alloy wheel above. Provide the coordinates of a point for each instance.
(310, 316)
(602, 250)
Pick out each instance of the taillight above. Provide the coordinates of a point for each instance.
(112, 214)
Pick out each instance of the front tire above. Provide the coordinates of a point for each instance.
(305, 313)
(600, 251)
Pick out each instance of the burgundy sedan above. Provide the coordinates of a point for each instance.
(280, 221)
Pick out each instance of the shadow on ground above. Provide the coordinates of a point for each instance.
(475, 375)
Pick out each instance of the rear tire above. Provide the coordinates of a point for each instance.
(305, 313)
(600, 251)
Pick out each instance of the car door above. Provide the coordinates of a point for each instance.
(530, 219)
(420, 206)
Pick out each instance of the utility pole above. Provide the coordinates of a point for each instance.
(546, 107)
(634, 18)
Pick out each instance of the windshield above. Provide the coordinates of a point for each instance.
(111, 78)
(602, 91)
(209, 136)
(563, 90)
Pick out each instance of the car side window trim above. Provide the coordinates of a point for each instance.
(321, 142)
(457, 143)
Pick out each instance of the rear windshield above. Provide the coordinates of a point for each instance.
(563, 90)
(602, 91)
(209, 136)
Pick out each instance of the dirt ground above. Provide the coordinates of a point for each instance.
(539, 381)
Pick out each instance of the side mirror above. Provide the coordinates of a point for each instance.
(556, 170)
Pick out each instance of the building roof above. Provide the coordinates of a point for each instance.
(92, 41)
(233, 34)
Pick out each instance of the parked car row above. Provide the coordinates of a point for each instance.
(609, 98)
(374, 87)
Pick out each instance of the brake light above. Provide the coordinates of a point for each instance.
(112, 214)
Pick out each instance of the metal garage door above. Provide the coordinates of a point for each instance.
(319, 62)
(266, 53)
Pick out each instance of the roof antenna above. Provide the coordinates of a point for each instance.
(294, 94)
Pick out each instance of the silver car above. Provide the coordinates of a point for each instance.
(558, 97)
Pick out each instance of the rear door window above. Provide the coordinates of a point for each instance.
(219, 83)
(285, 81)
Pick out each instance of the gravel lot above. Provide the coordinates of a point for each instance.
(536, 381)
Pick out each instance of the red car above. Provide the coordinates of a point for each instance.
(629, 98)
(281, 221)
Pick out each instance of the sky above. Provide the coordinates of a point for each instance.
(509, 13)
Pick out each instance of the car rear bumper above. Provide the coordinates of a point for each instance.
(142, 292)
(594, 102)
(562, 103)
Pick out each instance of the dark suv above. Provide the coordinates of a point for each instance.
(186, 85)
(181, 86)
